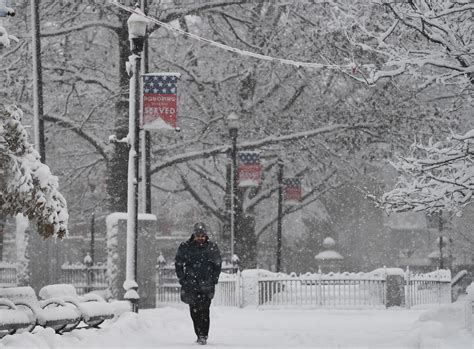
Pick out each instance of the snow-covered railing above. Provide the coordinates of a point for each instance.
(321, 290)
(168, 289)
(429, 288)
(228, 290)
(383, 287)
(167, 286)
(8, 274)
(84, 277)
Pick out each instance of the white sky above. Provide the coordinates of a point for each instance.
(171, 327)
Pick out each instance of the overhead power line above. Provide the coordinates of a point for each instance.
(234, 49)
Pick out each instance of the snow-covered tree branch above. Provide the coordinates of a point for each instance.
(26, 185)
(429, 40)
(435, 176)
(262, 142)
(5, 37)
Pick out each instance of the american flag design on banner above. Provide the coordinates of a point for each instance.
(291, 190)
(159, 101)
(248, 171)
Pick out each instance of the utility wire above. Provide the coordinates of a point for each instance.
(234, 49)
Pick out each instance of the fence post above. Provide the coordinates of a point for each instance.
(438, 289)
(88, 263)
(160, 264)
(319, 287)
(407, 289)
(239, 289)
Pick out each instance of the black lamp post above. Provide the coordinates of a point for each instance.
(233, 125)
(137, 26)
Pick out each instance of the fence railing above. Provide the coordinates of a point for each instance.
(265, 289)
(85, 278)
(434, 287)
(8, 274)
(322, 290)
(227, 291)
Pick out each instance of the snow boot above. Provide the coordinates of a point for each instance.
(202, 340)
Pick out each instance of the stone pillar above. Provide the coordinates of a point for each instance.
(395, 287)
(250, 287)
(146, 256)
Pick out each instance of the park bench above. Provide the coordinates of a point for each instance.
(93, 308)
(11, 318)
(53, 313)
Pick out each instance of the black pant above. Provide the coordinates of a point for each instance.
(200, 315)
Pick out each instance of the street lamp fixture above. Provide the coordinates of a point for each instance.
(137, 26)
(233, 121)
(233, 125)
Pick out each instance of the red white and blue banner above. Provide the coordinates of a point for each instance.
(291, 190)
(159, 101)
(249, 169)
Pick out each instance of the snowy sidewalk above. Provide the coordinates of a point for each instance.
(248, 328)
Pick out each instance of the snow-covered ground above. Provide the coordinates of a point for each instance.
(170, 327)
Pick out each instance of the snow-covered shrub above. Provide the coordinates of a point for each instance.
(27, 185)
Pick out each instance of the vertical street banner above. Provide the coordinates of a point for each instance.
(291, 191)
(249, 169)
(159, 101)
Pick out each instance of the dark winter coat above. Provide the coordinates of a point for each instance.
(198, 269)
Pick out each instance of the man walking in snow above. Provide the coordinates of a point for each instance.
(198, 265)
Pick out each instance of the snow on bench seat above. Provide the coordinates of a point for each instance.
(94, 308)
(52, 313)
(11, 318)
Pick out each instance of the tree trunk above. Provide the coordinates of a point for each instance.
(245, 238)
(246, 243)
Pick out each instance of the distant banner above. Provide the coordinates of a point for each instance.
(249, 169)
(292, 191)
(159, 101)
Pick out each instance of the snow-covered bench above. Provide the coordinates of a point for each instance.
(93, 308)
(52, 313)
(11, 319)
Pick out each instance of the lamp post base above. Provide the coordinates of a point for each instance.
(134, 305)
(132, 296)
